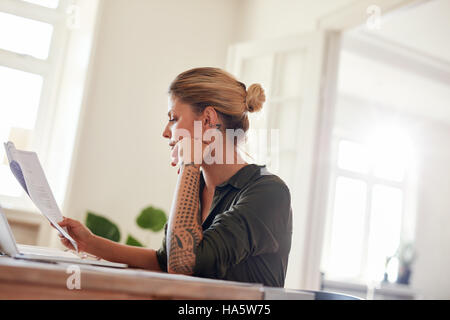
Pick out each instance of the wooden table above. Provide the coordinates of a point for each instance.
(20, 279)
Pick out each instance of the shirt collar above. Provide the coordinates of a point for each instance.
(243, 176)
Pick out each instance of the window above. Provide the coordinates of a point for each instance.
(367, 205)
(39, 99)
(29, 35)
(17, 118)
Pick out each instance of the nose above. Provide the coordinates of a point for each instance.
(167, 133)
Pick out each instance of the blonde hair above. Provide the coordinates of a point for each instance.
(203, 87)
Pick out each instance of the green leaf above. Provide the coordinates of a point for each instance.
(152, 218)
(102, 227)
(131, 241)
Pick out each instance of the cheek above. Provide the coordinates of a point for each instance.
(184, 126)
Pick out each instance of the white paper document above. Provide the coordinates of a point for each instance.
(28, 171)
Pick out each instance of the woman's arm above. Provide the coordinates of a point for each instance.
(107, 249)
(136, 257)
(184, 231)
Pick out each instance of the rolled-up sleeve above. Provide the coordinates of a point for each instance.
(250, 227)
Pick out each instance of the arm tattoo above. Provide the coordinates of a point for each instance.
(185, 228)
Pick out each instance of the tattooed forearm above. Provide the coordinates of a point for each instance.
(184, 231)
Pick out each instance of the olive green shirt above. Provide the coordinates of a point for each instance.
(247, 234)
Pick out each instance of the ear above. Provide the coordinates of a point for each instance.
(210, 118)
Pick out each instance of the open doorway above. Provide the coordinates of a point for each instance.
(387, 200)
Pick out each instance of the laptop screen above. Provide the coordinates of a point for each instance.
(7, 242)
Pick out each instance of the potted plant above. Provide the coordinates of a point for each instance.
(150, 218)
(406, 256)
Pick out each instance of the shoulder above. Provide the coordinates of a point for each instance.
(268, 184)
(266, 191)
(266, 200)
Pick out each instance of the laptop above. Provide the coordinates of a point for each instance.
(9, 247)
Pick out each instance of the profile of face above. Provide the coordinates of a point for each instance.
(182, 118)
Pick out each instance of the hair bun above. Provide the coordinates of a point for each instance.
(255, 98)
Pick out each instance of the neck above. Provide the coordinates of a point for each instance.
(215, 174)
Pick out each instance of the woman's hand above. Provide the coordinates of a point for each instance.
(79, 232)
(107, 249)
(188, 150)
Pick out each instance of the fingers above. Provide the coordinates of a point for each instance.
(182, 151)
(63, 223)
(174, 155)
(188, 150)
(67, 222)
(66, 242)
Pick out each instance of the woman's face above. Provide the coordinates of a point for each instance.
(181, 118)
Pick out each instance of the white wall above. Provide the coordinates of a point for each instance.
(262, 19)
(122, 162)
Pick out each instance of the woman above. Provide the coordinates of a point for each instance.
(229, 219)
